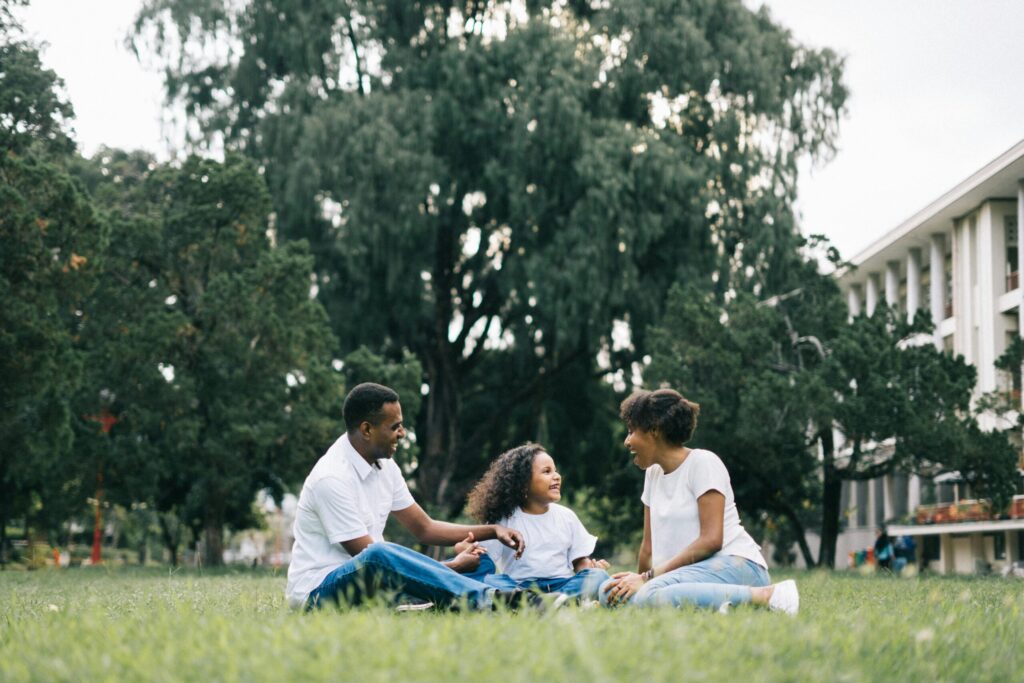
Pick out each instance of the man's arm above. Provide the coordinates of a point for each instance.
(431, 532)
(356, 545)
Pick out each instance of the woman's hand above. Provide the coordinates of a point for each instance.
(624, 586)
(511, 538)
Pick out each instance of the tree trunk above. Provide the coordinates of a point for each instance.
(213, 537)
(437, 461)
(832, 486)
(801, 536)
(169, 538)
(4, 511)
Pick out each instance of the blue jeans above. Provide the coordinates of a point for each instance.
(584, 584)
(710, 583)
(394, 568)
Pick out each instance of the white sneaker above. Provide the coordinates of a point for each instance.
(785, 598)
(415, 607)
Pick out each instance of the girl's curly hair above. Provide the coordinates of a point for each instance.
(504, 485)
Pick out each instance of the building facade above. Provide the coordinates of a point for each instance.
(959, 258)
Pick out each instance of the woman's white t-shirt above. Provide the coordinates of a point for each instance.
(675, 522)
(553, 540)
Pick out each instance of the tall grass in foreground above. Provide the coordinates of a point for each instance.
(94, 625)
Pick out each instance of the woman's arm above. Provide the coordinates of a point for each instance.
(643, 562)
(711, 511)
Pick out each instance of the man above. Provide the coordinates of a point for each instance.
(340, 553)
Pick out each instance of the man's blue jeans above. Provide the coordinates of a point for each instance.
(394, 568)
(711, 583)
(583, 585)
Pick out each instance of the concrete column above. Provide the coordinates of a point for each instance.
(871, 293)
(987, 315)
(1020, 263)
(964, 289)
(914, 494)
(892, 283)
(853, 301)
(937, 285)
(913, 283)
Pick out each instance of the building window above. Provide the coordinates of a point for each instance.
(1012, 265)
(862, 503)
(998, 546)
(931, 549)
(880, 501)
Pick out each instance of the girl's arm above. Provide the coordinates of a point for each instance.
(581, 563)
(711, 510)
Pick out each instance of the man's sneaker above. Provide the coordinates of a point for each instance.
(415, 607)
(785, 598)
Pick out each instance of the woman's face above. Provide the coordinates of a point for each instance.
(643, 446)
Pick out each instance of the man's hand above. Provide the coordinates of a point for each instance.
(511, 538)
(468, 558)
(624, 586)
(465, 544)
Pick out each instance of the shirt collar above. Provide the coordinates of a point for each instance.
(349, 452)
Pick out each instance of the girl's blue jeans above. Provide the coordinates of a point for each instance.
(583, 585)
(396, 569)
(710, 583)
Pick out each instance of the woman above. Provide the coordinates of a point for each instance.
(694, 549)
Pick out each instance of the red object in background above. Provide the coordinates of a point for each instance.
(107, 421)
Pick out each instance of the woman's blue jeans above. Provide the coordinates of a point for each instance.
(710, 583)
(393, 568)
(583, 585)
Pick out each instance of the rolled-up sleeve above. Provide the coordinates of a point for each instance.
(337, 503)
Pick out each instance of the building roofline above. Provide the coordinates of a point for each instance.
(930, 211)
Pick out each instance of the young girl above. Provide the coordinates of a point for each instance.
(521, 489)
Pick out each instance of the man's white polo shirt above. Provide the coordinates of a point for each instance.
(343, 498)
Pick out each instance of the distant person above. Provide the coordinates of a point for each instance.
(521, 489)
(883, 549)
(694, 549)
(340, 555)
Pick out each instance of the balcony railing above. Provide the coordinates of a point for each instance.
(1013, 281)
(966, 511)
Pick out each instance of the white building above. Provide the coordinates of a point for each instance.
(959, 258)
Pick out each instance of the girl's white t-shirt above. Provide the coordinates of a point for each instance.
(675, 522)
(553, 540)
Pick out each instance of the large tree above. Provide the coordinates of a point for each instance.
(52, 241)
(204, 342)
(492, 185)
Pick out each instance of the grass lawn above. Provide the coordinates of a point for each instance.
(123, 625)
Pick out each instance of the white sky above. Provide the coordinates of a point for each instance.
(935, 94)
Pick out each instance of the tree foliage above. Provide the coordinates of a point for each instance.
(52, 248)
(491, 185)
(206, 343)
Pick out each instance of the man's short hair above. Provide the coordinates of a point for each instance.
(365, 403)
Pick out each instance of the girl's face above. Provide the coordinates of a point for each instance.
(546, 482)
(643, 446)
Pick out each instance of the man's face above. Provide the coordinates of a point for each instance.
(384, 436)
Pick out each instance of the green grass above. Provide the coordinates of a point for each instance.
(124, 625)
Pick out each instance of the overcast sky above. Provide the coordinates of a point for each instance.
(935, 94)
